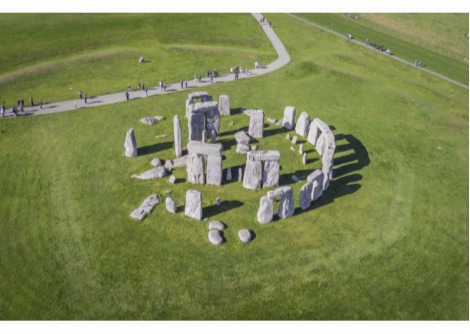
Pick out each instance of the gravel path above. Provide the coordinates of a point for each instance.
(283, 59)
(391, 56)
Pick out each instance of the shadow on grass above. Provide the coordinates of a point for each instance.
(151, 149)
(225, 206)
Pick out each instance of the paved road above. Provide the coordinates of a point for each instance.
(391, 56)
(283, 59)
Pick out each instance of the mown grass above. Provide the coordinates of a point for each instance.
(389, 240)
(410, 37)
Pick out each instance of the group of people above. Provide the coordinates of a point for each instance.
(19, 107)
(418, 63)
(378, 47)
(263, 21)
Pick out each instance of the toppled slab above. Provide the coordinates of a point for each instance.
(244, 236)
(151, 174)
(151, 120)
(147, 206)
(215, 237)
(216, 225)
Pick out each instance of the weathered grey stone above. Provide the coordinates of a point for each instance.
(326, 182)
(175, 163)
(289, 117)
(193, 98)
(255, 129)
(242, 138)
(278, 193)
(288, 136)
(193, 206)
(214, 170)
(303, 123)
(304, 158)
(195, 168)
(204, 136)
(314, 131)
(294, 140)
(253, 174)
(286, 206)
(147, 205)
(248, 112)
(301, 149)
(242, 148)
(266, 155)
(130, 144)
(159, 118)
(272, 120)
(217, 201)
(216, 225)
(270, 173)
(212, 116)
(253, 147)
(316, 178)
(195, 126)
(224, 105)
(205, 148)
(240, 174)
(213, 137)
(292, 148)
(228, 176)
(215, 237)
(156, 162)
(295, 178)
(305, 195)
(177, 136)
(154, 173)
(169, 165)
(170, 205)
(141, 60)
(148, 120)
(244, 235)
(265, 210)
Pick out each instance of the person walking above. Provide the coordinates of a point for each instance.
(2, 109)
(80, 94)
(31, 100)
(86, 99)
(127, 96)
(40, 103)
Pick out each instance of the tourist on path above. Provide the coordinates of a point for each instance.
(127, 96)
(2, 109)
(80, 94)
(40, 103)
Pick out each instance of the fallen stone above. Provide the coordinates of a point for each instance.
(159, 118)
(170, 205)
(244, 236)
(242, 148)
(148, 120)
(172, 179)
(147, 206)
(160, 136)
(179, 162)
(215, 237)
(294, 140)
(130, 144)
(288, 136)
(216, 225)
(141, 60)
(272, 120)
(156, 162)
(292, 148)
(193, 205)
(154, 173)
(242, 138)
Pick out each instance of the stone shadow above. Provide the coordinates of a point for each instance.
(274, 130)
(225, 206)
(151, 149)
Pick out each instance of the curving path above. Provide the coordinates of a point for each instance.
(283, 59)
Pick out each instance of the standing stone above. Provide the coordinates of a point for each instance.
(253, 174)
(303, 123)
(193, 206)
(294, 140)
(177, 136)
(316, 177)
(240, 174)
(242, 148)
(195, 126)
(170, 205)
(204, 136)
(172, 179)
(156, 162)
(286, 206)
(288, 136)
(265, 211)
(305, 195)
(304, 158)
(130, 144)
(242, 138)
(217, 201)
(301, 149)
(214, 137)
(224, 105)
(195, 168)
(244, 235)
(271, 174)
(289, 117)
(212, 117)
(214, 170)
(228, 177)
(255, 129)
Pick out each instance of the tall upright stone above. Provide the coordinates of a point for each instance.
(195, 126)
(253, 174)
(130, 144)
(195, 168)
(177, 136)
(305, 195)
(303, 123)
(271, 174)
(316, 177)
(193, 205)
(286, 206)
(228, 176)
(211, 110)
(224, 105)
(289, 118)
(214, 170)
(255, 129)
(265, 210)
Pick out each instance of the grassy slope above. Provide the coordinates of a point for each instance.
(410, 37)
(98, 53)
(388, 241)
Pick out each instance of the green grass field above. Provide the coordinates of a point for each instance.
(389, 240)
